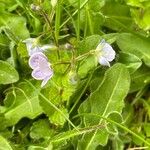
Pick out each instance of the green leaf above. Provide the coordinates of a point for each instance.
(49, 106)
(112, 128)
(4, 144)
(14, 26)
(8, 74)
(89, 43)
(147, 129)
(140, 78)
(57, 119)
(21, 101)
(86, 65)
(131, 61)
(142, 18)
(41, 129)
(113, 19)
(139, 46)
(37, 148)
(4, 47)
(108, 98)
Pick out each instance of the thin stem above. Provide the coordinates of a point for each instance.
(53, 34)
(90, 21)
(58, 63)
(82, 92)
(85, 2)
(117, 124)
(57, 20)
(78, 26)
(85, 55)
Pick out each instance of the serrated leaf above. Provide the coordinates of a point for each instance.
(21, 101)
(8, 74)
(41, 129)
(106, 99)
(4, 144)
(139, 46)
(50, 106)
(57, 119)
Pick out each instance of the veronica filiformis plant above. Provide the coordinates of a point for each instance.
(105, 53)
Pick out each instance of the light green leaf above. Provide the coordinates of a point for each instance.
(14, 26)
(57, 119)
(86, 65)
(37, 148)
(142, 18)
(131, 61)
(89, 43)
(139, 46)
(108, 98)
(8, 74)
(21, 101)
(41, 129)
(49, 106)
(4, 144)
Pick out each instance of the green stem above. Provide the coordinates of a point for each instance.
(85, 55)
(82, 92)
(117, 124)
(57, 20)
(53, 34)
(78, 33)
(90, 21)
(85, 2)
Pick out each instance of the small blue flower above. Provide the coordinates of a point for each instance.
(41, 67)
(105, 53)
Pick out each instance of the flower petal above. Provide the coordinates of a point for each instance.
(42, 73)
(45, 80)
(32, 46)
(37, 60)
(46, 69)
(38, 74)
(104, 62)
(45, 47)
(34, 49)
(108, 52)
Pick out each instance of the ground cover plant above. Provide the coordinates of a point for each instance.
(74, 74)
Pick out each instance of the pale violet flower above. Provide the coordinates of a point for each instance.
(105, 53)
(41, 67)
(33, 47)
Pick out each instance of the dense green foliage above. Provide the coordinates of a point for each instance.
(84, 106)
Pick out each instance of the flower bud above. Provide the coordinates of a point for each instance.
(35, 7)
(73, 77)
